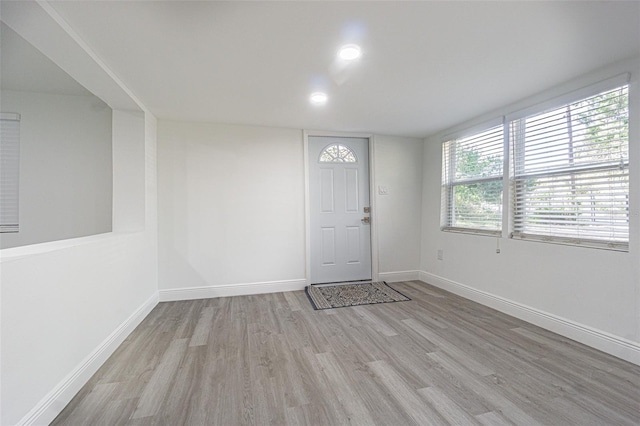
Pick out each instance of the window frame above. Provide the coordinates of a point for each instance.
(449, 183)
(516, 149)
(539, 103)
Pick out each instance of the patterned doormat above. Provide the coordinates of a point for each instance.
(342, 295)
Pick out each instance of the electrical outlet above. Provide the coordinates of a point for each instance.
(440, 254)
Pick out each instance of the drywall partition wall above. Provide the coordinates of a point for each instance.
(398, 206)
(66, 305)
(231, 209)
(128, 185)
(587, 294)
(65, 166)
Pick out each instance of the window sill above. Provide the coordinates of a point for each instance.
(480, 232)
(592, 244)
(15, 253)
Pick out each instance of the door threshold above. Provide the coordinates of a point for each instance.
(342, 283)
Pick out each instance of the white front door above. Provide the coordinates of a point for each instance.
(339, 201)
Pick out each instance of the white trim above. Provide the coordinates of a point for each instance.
(42, 26)
(507, 208)
(15, 253)
(53, 13)
(227, 290)
(307, 209)
(330, 134)
(55, 401)
(372, 194)
(472, 231)
(601, 340)
(570, 97)
(399, 276)
(473, 128)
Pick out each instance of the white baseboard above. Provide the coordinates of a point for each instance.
(601, 340)
(226, 290)
(394, 277)
(55, 401)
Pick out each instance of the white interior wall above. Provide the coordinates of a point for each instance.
(587, 294)
(128, 187)
(65, 166)
(231, 205)
(398, 170)
(231, 208)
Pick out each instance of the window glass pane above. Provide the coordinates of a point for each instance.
(478, 205)
(337, 154)
(479, 155)
(472, 181)
(590, 131)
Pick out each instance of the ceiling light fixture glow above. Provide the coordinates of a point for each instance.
(318, 98)
(350, 52)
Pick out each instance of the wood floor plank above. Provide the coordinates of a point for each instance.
(369, 315)
(162, 379)
(316, 387)
(607, 370)
(201, 333)
(406, 396)
(382, 407)
(292, 301)
(444, 346)
(354, 409)
(93, 404)
(186, 400)
(272, 359)
(484, 391)
(493, 419)
(117, 412)
(446, 407)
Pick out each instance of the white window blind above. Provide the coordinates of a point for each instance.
(472, 168)
(9, 171)
(570, 172)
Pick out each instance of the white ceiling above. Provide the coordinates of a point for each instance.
(426, 65)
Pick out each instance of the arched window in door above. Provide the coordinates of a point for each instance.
(337, 153)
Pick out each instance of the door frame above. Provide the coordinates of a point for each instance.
(372, 198)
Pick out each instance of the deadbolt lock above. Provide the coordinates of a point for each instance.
(367, 209)
(366, 220)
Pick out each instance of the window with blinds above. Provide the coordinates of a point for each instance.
(472, 181)
(9, 171)
(570, 172)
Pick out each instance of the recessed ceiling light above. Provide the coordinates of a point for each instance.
(350, 52)
(318, 98)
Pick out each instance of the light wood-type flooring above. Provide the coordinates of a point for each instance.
(272, 359)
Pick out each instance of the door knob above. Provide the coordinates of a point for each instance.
(366, 219)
